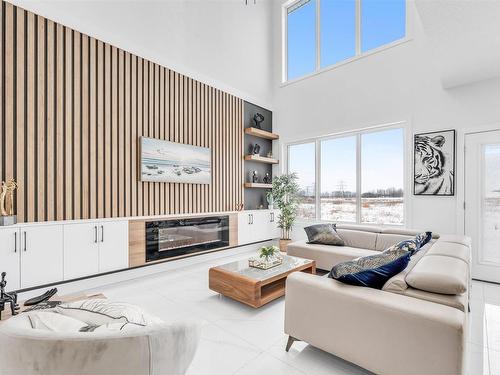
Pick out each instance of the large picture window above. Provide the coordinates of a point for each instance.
(322, 33)
(361, 177)
(302, 161)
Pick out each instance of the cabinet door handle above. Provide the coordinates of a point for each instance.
(24, 240)
(15, 242)
(252, 218)
(95, 233)
(249, 219)
(102, 233)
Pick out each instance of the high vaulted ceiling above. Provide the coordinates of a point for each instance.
(465, 38)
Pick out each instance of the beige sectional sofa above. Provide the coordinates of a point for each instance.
(415, 325)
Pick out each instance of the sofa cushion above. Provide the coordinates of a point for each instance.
(456, 238)
(439, 274)
(373, 271)
(458, 301)
(326, 256)
(385, 241)
(323, 234)
(397, 283)
(358, 238)
(405, 232)
(451, 249)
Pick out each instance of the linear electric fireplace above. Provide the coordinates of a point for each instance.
(177, 237)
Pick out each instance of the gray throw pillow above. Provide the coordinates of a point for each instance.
(325, 234)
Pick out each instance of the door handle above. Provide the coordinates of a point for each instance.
(252, 218)
(15, 242)
(24, 240)
(249, 219)
(102, 233)
(95, 233)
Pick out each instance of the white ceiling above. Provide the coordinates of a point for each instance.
(465, 38)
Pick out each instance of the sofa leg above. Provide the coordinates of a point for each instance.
(290, 342)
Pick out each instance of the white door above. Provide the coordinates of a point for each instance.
(10, 257)
(81, 250)
(113, 245)
(41, 255)
(482, 203)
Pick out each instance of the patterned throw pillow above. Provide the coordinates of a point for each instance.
(374, 270)
(422, 239)
(325, 234)
(97, 312)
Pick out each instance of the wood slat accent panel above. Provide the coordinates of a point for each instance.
(72, 110)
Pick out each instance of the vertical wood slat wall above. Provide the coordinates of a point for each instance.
(72, 109)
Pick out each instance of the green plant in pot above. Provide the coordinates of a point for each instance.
(285, 193)
(267, 252)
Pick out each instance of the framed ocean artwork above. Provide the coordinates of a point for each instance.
(164, 161)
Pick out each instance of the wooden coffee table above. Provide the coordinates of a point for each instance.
(253, 286)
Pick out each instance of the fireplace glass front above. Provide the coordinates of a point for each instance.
(179, 237)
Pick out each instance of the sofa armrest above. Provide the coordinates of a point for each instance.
(384, 332)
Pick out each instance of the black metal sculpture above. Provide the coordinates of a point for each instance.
(267, 179)
(255, 177)
(6, 298)
(258, 118)
(256, 149)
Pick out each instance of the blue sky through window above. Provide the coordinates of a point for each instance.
(382, 22)
(338, 31)
(301, 39)
(382, 159)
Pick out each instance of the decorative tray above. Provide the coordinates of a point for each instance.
(265, 264)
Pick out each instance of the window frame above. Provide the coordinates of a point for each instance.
(404, 125)
(358, 54)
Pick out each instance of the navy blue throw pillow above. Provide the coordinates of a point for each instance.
(373, 271)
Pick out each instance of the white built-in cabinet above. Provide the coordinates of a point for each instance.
(41, 249)
(31, 255)
(10, 257)
(257, 225)
(81, 250)
(34, 255)
(113, 246)
(96, 247)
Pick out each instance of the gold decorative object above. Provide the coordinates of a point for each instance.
(7, 197)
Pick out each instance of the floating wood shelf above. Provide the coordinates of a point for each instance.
(261, 159)
(261, 133)
(258, 185)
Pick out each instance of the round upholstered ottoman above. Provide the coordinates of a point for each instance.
(95, 337)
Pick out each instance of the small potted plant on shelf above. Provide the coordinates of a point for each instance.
(285, 193)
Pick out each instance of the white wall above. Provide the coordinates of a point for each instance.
(220, 42)
(401, 83)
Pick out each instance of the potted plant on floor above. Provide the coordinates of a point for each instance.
(284, 191)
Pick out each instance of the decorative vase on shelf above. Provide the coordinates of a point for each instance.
(270, 201)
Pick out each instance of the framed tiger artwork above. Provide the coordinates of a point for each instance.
(434, 163)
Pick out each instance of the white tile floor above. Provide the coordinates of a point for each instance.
(237, 339)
